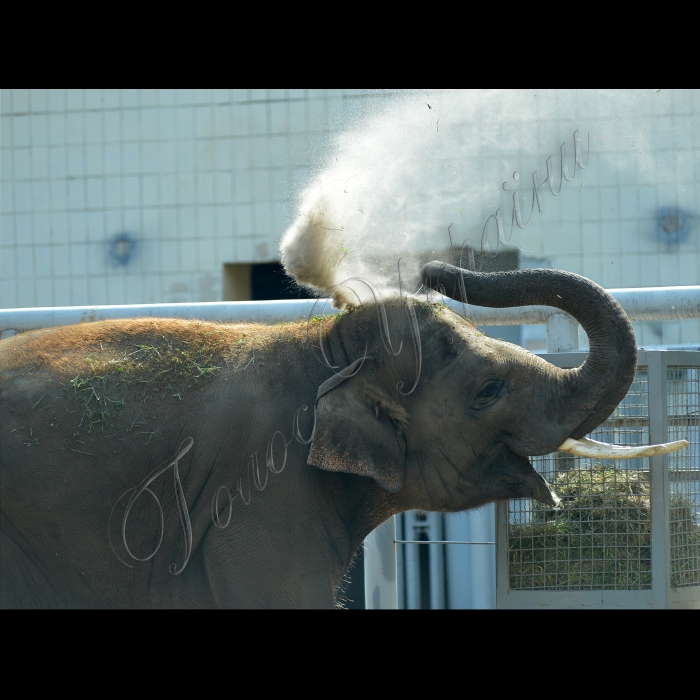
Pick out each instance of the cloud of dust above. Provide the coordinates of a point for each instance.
(394, 182)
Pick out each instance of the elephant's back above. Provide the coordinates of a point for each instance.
(72, 385)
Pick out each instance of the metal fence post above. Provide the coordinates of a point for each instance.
(400, 524)
(562, 333)
(502, 555)
(658, 465)
(380, 568)
(562, 336)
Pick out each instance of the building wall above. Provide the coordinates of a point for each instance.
(204, 178)
(198, 178)
(610, 230)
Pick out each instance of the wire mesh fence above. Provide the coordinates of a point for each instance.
(626, 533)
(683, 403)
(600, 535)
(623, 525)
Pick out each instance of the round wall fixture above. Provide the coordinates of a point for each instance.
(122, 248)
(673, 225)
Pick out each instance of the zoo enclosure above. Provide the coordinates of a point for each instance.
(382, 552)
(627, 534)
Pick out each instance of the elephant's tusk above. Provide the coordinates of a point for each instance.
(592, 448)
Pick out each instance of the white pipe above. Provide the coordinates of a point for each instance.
(22, 320)
(647, 304)
(643, 304)
(659, 303)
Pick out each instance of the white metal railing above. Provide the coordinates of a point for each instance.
(20, 320)
(648, 304)
(645, 304)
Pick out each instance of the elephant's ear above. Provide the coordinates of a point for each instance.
(359, 431)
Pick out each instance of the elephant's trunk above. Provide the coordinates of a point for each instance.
(589, 394)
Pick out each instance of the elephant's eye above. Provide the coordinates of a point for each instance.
(488, 394)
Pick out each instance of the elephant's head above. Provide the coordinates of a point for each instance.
(481, 406)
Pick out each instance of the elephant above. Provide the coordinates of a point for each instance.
(165, 463)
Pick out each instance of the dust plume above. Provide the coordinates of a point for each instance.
(397, 180)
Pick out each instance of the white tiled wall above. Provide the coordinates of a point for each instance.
(200, 178)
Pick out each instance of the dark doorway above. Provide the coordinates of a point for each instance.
(263, 282)
(270, 281)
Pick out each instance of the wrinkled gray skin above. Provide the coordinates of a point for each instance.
(459, 440)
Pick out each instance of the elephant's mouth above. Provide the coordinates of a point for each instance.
(542, 491)
(523, 479)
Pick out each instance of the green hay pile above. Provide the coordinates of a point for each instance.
(600, 535)
(685, 544)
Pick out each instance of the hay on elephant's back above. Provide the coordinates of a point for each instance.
(600, 535)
